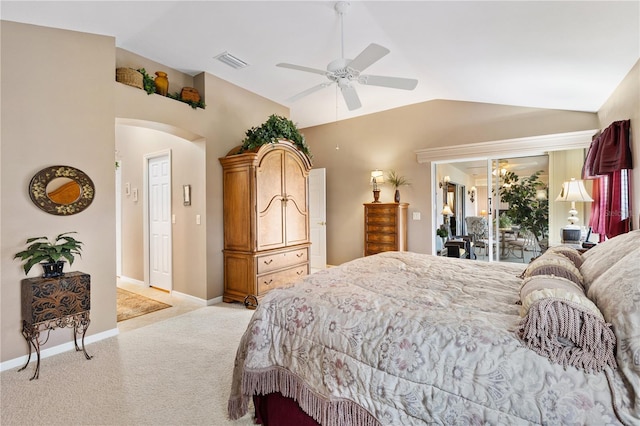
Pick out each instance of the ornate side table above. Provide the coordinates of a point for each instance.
(49, 303)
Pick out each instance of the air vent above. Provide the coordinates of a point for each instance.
(231, 60)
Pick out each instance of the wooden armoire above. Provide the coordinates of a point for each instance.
(266, 220)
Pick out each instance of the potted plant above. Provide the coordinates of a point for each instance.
(397, 181)
(275, 128)
(527, 208)
(443, 233)
(50, 254)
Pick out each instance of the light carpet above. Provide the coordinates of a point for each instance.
(174, 372)
(131, 305)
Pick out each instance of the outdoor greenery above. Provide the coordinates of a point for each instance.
(42, 250)
(276, 127)
(526, 209)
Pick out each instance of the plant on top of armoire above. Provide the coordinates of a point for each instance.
(275, 128)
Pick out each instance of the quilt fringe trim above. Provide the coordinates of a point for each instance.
(593, 341)
(325, 411)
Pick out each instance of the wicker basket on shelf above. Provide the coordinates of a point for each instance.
(130, 77)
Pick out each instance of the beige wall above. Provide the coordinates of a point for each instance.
(60, 106)
(187, 157)
(388, 140)
(624, 104)
(57, 108)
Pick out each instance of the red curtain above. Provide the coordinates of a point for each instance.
(608, 155)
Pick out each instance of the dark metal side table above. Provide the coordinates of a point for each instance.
(49, 303)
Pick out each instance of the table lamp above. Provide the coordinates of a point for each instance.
(446, 212)
(573, 191)
(377, 177)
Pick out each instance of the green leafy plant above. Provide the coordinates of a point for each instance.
(148, 82)
(396, 180)
(526, 208)
(276, 127)
(42, 250)
(442, 232)
(192, 104)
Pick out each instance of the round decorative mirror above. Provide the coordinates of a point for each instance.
(61, 190)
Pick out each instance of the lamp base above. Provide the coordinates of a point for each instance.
(376, 196)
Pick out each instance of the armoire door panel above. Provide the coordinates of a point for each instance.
(237, 210)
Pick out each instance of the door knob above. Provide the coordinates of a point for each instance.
(322, 223)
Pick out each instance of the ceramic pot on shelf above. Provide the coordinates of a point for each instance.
(162, 83)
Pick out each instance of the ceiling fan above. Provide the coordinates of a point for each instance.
(344, 72)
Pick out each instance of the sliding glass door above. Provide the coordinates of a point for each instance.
(499, 203)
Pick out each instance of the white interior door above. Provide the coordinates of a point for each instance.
(318, 218)
(159, 202)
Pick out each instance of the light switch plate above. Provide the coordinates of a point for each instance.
(416, 215)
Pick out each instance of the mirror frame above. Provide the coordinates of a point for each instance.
(38, 190)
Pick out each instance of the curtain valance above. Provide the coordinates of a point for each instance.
(609, 152)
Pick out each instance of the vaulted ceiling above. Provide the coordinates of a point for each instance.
(555, 54)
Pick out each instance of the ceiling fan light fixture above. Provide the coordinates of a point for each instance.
(232, 61)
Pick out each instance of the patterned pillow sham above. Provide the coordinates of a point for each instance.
(562, 324)
(554, 264)
(617, 295)
(603, 256)
(569, 252)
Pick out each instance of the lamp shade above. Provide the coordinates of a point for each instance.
(377, 176)
(574, 190)
(446, 210)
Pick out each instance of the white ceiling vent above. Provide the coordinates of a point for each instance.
(231, 60)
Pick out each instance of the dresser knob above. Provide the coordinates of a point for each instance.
(268, 282)
(300, 254)
(268, 262)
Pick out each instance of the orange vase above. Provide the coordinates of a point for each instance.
(162, 83)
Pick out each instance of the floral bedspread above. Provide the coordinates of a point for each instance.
(401, 338)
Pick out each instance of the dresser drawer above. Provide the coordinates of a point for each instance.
(373, 248)
(273, 262)
(381, 238)
(278, 279)
(381, 220)
(382, 210)
(45, 299)
(388, 229)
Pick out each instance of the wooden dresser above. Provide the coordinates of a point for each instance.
(266, 220)
(385, 227)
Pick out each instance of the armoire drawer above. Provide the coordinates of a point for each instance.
(278, 279)
(276, 261)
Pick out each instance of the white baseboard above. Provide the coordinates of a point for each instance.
(214, 301)
(131, 280)
(184, 296)
(64, 347)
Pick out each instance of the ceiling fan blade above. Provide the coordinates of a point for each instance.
(301, 68)
(309, 91)
(351, 97)
(393, 82)
(368, 56)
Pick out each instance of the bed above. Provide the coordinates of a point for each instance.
(401, 338)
